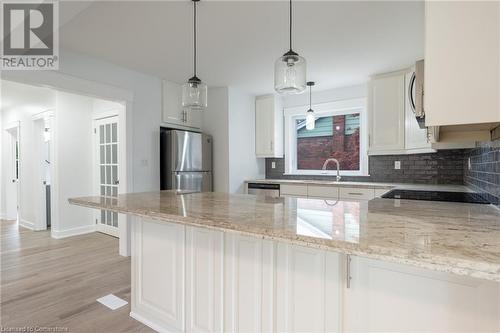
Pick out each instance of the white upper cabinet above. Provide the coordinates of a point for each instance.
(173, 112)
(268, 126)
(393, 128)
(387, 117)
(462, 62)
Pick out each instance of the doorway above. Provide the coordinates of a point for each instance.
(13, 172)
(108, 165)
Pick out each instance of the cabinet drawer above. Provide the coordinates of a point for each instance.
(328, 192)
(298, 190)
(357, 193)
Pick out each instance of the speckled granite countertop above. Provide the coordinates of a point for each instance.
(375, 185)
(450, 237)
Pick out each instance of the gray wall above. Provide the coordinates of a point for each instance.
(484, 172)
(443, 167)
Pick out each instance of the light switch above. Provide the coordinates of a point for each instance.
(273, 165)
(397, 165)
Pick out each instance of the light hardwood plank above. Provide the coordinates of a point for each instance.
(47, 282)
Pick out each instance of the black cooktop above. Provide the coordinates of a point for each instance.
(436, 196)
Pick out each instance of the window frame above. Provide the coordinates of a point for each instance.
(336, 108)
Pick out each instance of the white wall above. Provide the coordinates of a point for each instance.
(215, 123)
(243, 165)
(230, 119)
(143, 115)
(20, 103)
(73, 161)
(325, 96)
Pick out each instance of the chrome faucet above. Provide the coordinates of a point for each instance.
(338, 166)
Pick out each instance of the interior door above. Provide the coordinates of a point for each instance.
(13, 167)
(106, 131)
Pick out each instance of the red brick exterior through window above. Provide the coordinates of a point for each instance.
(313, 151)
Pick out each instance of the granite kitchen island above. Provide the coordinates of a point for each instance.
(226, 262)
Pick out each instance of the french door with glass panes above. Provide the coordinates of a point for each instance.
(106, 131)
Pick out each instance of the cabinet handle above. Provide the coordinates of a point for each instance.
(185, 116)
(271, 145)
(348, 271)
(355, 193)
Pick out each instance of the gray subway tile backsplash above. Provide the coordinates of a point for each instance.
(482, 169)
(443, 167)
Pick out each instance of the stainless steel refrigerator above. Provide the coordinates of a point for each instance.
(185, 161)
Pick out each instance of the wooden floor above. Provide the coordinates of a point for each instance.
(46, 282)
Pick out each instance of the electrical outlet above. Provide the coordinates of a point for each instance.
(273, 165)
(397, 165)
(469, 166)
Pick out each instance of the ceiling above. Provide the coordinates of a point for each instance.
(344, 42)
(18, 96)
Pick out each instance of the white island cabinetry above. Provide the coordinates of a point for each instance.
(193, 279)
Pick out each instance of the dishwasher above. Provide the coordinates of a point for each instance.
(268, 190)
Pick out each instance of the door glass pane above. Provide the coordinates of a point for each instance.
(101, 134)
(103, 216)
(103, 175)
(103, 190)
(115, 174)
(108, 154)
(115, 191)
(108, 217)
(108, 175)
(115, 219)
(114, 136)
(108, 191)
(102, 154)
(108, 133)
(114, 154)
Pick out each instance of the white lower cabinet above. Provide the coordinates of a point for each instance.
(248, 284)
(158, 279)
(387, 297)
(204, 280)
(189, 279)
(308, 290)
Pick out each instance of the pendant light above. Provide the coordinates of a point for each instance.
(290, 70)
(310, 118)
(194, 91)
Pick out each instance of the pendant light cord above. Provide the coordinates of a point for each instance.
(290, 25)
(194, 58)
(310, 94)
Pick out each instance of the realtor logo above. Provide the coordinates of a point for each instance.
(30, 37)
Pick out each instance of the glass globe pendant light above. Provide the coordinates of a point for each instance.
(310, 118)
(194, 91)
(290, 70)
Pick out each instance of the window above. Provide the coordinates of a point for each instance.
(339, 133)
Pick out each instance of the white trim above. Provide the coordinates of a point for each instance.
(148, 323)
(43, 115)
(58, 234)
(401, 151)
(340, 107)
(12, 125)
(26, 224)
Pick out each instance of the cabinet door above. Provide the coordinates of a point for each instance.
(386, 113)
(308, 290)
(158, 273)
(462, 62)
(193, 118)
(386, 297)
(323, 192)
(415, 137)
(172, 103)
(248, 284)
(204, 258)
(264, 127)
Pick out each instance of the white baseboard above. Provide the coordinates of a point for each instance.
(148, 323)
(26, 224)
(58, 234)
